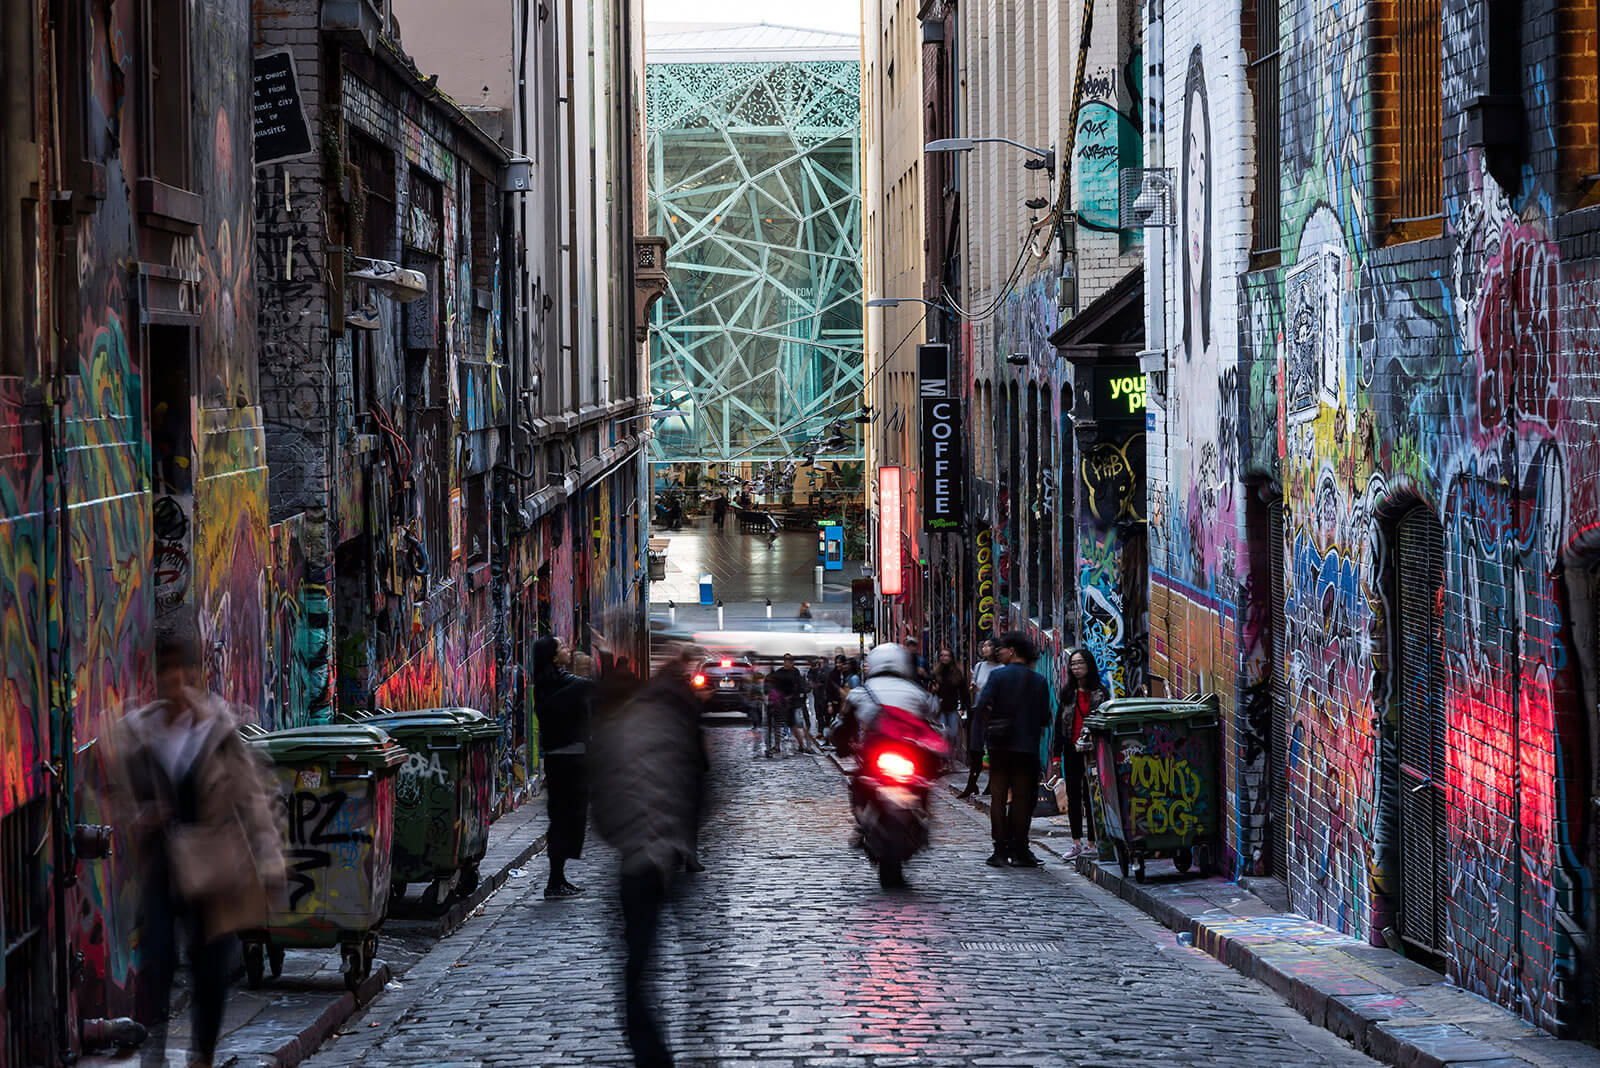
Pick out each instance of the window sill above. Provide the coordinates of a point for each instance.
(166, 207)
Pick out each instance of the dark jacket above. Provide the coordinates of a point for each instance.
(1016, 702)
(562, 703)
(1068, 726)
(649, 767)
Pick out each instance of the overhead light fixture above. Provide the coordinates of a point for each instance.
(1037, 203)
(1018, 359)
(392, 280)
(1044, 159)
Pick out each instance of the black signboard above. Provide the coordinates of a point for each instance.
(863, 601)
(933, 370)
(281, 130)
(1114, 392)
(943, 464)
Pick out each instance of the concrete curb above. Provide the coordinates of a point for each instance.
(456, 914)
(297, 1048)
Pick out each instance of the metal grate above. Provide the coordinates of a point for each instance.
(27, 1024)
(1423, 886)
(1144, 197)
(1278, 750)
(1264, 77)
(1417, 46)
(1012, 947)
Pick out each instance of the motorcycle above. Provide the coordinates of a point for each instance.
(896, 764)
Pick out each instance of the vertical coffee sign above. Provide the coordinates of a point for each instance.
(943, 460)
(281, 130)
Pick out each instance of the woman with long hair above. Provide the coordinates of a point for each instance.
(1081, 694)
(562, 703)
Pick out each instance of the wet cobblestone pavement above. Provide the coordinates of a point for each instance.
(786, 952)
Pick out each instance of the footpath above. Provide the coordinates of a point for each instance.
(287, 1018)
(1391, 1008)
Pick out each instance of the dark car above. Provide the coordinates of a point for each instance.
(729, 683)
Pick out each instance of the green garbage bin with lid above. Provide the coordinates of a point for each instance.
(444, 797)
(336, 801)
(1155, 780)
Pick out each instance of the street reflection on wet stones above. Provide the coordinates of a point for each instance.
(786, 952)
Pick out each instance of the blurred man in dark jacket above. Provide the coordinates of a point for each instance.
(1016, 705)
(650, 765)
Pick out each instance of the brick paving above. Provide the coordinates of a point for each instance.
(786, 952)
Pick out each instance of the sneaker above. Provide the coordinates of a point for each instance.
(562, 890)
(996, 859)
(1024, 859)
(1071, 852)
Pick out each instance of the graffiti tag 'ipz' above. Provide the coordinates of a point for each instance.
(312, 827)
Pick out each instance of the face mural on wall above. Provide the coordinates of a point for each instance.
(1196, 191)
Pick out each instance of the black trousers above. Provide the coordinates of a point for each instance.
(567, 790)
(162, 919)
(643, 895)
(1075, 773)
(1013, 793)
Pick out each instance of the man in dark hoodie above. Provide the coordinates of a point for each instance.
(562, 702)
(1016, 705)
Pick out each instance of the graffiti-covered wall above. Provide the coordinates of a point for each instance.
(1376, 387)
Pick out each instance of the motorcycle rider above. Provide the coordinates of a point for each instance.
(890, 680)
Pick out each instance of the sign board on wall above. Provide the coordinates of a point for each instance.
(986, 602)
(933, 370)
(891, 572)
(943, 465)
(1114, 392)
(281, 130)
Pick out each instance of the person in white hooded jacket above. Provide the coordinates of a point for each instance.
(890, 680)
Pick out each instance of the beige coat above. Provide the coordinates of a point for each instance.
(229, 863)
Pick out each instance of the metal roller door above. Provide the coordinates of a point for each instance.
(1420, 676)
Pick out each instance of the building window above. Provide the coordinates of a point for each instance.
(19, 207)
(1407, 137)
(371, 167)
(1578, 102)
(1266, 87)
(166, 92)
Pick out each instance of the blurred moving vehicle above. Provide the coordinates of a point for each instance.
(728, 684)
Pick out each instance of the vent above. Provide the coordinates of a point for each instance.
(1278, 750)
(1145, 197)
(1424, 892)
(1012, 947)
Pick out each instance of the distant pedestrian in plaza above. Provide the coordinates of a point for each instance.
(1016, 702)
(805, 610)
(950, 689)
(1081, 694)
(719, 511)
(562, 701)
(199, 817)
(650, 768)
(987, 663)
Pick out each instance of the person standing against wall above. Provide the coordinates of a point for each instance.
(1016, 703)
(562, 702)
(950, 688)
(1081, 694)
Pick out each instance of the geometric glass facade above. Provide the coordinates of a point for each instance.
(754, 178)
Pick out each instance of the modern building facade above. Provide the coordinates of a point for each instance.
(754, 179)
(1371, 474)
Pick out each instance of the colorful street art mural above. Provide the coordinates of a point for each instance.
(1368, 378)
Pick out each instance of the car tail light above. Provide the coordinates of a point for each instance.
(699, 681)
(727, 663)
(895, 766)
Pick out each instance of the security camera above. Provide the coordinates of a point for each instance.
(1037, 203)
(1018, 359)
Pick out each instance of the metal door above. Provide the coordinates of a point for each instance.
(1278, 748)
(1420, 677)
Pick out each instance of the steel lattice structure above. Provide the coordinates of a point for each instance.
(755, 180)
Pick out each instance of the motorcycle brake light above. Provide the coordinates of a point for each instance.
(727, 663)
(895, 766)
(699, 680)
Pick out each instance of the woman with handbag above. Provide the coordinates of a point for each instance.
(1082, 693)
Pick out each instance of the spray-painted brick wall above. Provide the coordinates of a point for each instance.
(1386, 386)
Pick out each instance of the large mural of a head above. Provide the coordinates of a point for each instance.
(1195, 182)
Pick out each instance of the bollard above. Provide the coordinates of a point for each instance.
(719, 615)
(769, 607)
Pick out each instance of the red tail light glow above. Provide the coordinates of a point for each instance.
(727, 663)
(699, 681)
(895, 766)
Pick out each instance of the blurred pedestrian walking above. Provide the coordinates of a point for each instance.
(650, 767)
(987, 663)
(198, 814)
(787, 690)
(562, 701)
(1016, 702)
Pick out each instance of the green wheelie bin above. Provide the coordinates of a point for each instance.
(1155, 780)
(444, 798)
(336, 799)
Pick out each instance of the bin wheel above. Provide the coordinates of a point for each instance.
(357, 966)
(1139, 872)
(468, 882)
(1183, 860)
(275, 960)
(1208, 860)
(1122, 858)
(432, 895)
(397, 891)
(255, 964)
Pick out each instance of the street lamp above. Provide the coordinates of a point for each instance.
(1045, 161)
(895, 302)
